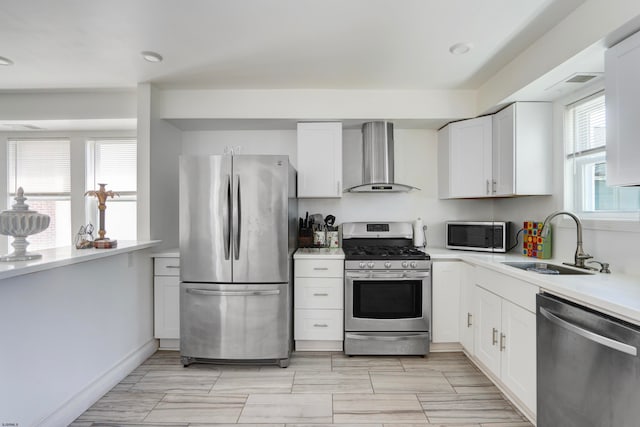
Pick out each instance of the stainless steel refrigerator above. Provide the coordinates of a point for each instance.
(238, 224)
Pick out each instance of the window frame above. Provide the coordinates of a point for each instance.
(32, 197)
(574, 162)
(78, 140)
(91, 183)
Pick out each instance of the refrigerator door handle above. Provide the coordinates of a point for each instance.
(225, 218)
(236, 218)
(232, 293)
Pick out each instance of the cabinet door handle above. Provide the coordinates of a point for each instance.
(494, 184)
(487, 186)
(503, 339)
(320, 325)
(320, 268)
(172, 266)
(469, 316)
(321, 295)
(494, 336)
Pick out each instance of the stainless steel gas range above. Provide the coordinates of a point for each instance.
(387, 290)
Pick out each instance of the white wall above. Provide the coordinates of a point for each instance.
(59, 105)
(317, 104)
(415, 164)
(595, 23)
(615, 243)
(71, 333)
(164, 146)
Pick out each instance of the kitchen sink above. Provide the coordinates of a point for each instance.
(546, 268)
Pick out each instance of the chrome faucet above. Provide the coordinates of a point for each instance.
(581, 256)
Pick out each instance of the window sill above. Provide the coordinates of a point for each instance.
(626, 225)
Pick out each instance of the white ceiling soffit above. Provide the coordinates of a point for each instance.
(290, 124)
(68, 125)
(267, 44)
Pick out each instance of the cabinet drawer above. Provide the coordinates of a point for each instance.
(515, 290)
(318, 325)
(319, 268)
(321, 292)
(166, 267)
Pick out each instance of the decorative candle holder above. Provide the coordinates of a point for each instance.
(20, 223)
(102, 194)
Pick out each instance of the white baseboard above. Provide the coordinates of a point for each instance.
(86, 397)
(169, 344)
(440, 347)
(311, 345)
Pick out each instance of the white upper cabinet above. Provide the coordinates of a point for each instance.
(622, 68)
(465, 158)
(522, 143)
(320, 159)
(505, 154)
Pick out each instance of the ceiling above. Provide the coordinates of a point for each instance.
(266, 44)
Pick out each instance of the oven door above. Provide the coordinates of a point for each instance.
(387, 301)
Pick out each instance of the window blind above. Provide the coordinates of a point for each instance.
(589, 125)
(115, 164)
(39, 166)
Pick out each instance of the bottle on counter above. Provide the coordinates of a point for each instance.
(418, 233)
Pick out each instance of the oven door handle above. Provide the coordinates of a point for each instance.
(386, 337)
(382, 276)
(421, 275)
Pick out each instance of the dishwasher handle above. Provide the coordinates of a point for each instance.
(592, 336)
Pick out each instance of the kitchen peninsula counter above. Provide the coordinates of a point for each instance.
(74, 323)
(68, 255)
(615, 294)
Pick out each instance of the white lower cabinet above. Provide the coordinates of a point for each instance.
(505, 343)
(446, 294)
(466, 311)
(166, 301)
(318, 321)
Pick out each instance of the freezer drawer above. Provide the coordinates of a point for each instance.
(235, 321)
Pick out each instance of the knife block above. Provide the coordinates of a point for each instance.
(305, 238)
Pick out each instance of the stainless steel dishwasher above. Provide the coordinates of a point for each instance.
(588, 367)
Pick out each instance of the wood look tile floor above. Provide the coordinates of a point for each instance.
(316, 390)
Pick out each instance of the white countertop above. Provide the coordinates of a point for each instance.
(319, 253)
(67, 255)
(615, 294)
(169, 253)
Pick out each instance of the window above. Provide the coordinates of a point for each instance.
(42, 167)
(113, 162)
(586, 166)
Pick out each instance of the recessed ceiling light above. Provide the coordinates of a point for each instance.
(460, 48)
(151, 56)
(5, 61)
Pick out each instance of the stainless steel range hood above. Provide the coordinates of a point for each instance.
(377, 160)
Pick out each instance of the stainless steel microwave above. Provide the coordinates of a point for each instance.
(484, 236)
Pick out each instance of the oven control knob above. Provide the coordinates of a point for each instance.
(371, 264)
(387, 264)
(363, 264)
(405, 264)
